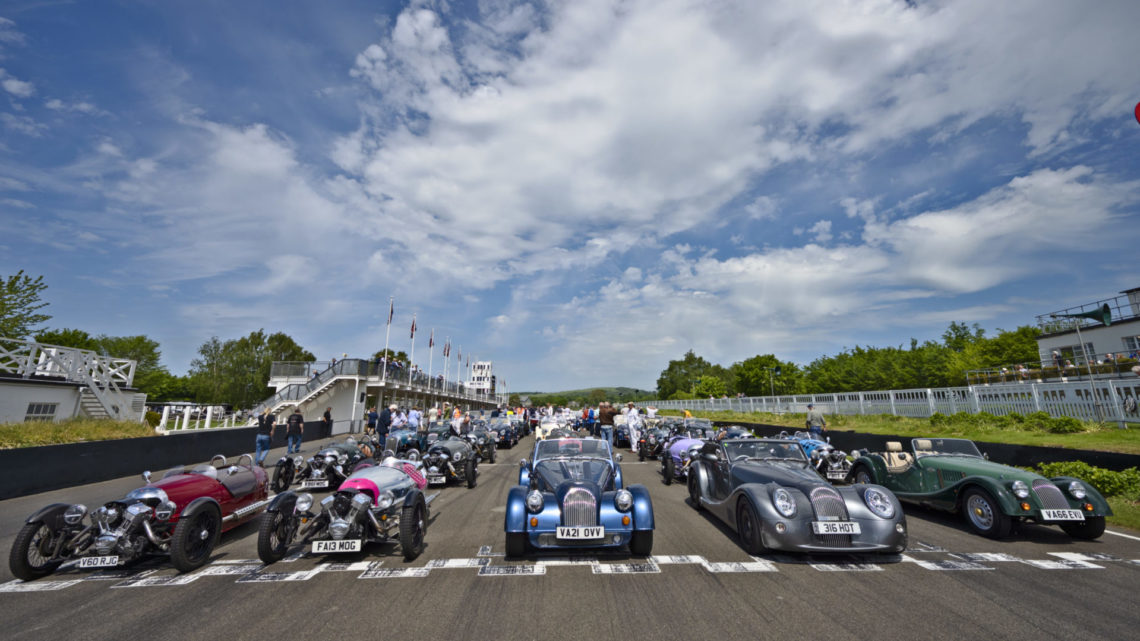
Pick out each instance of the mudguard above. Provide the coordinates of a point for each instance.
(283, 502)
(516, 510)
(524, 475)
(198, 503)
(1008, 503)
(642, 507)
(618, 480)
(1100, 505)
(412, 496)
(875, 465)
(50, 515)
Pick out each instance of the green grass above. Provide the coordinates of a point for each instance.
(1126, 513)
(33, 433)
(1105, 437)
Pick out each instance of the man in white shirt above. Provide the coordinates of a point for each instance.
(633, 420)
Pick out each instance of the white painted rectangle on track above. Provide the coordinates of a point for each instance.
(449, 564)
(569, 560)
(1080, 556)
(627, 568)
(486, 551)
(1064, 564)
(951, 565)
(395, 573)
(154, 581)
(984, 557)
(846, 567)
(37, 586)
(512, 570)
(678, 559)
(747, 566)
(231, 569)
(358, 566)
(278, 577)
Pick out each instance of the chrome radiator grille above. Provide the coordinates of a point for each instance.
(829, 506)
(1049, 495)
(579, 508)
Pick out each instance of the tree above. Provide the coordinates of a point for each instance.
(393, 357)
(20, 304)
(752, 377)
(149, 372)
(957, 336)
(683, 374)
(236, 372)
(710, 385)
(515, 400)
(596, 396)
(75, 338)
(1007, 348)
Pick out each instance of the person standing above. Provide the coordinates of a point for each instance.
(414, 419)
(266, 423)
(606, 421)
(326, 423)
(296, 431)
(372, 418)
(433, 414)
(633, 421)
(384, 423)
(815, 422)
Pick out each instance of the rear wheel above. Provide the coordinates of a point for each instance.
(273, 536)
(516, 544)
(1090, 529)
(469, 472)
(984, 515)
(282, 476)
(493, 448)
(31, 550)
(412, 530)
(641, 453)
(748, 528)
(863, 475)
(641, 543)
(195, 536)
(668, 470)
(694, 488)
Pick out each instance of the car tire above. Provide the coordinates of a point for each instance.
(668, 470)
(983, 514)
(694, 484)
(31, 538)
(413, 528)
(641, 543)
(469, 472)
(641, 454)
(195, 536)
(516, 544)
(748, 528)
(282, 476)
(273, 537)
(1091, 528)
(493, 450)
(862, 475)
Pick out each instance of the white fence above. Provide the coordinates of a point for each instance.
(1104, 400)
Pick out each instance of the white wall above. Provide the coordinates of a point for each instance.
(1103, 339)
(15, 397)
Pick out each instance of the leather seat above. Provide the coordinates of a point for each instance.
(240, 483)
(895, 458)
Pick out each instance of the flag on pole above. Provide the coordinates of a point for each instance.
(391, 309)
(431, 340)
(413, 326)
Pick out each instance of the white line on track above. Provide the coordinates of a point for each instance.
(1127, 536)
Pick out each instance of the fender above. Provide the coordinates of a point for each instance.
(642, 507)
(412, 497)
(515, 520)
(198, 502)
(698, 472)
(760, 495)
(874, 464)
(50, 515)
(283, 502)
(1008, 503)
(618, 478)
(524, 474)
(1100, 505)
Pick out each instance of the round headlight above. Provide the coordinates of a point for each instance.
(784, 503)
(458, 455)
(165, 510)
(879, 503)
(1077, 490)
(385, 501)
(815, 455)
(534, 501)
(1020, 489)
(298, 461)
(304, 502)
(623, 500)
(74, 514)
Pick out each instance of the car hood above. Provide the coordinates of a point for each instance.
(451, 446)
(684, 444)
(786, 474)
(972, 466)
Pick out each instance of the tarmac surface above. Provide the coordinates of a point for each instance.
(699, 583)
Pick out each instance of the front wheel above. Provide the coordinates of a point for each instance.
(273, 536)
(862, 475)
(195, 537)
(516, 544)
(282, 476)
(1090, 529)
(641, 543)
(32, 551)
(493, 448)
(694, 489)
(984, 515)
(748, 528)
(668, 469)
(412, 530)
(469, 472)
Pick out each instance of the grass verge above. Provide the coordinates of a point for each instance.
(1105, 437)
(33, 433)
(1125, 513)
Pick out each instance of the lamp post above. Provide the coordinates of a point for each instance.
(771, 381)
(1088, 361)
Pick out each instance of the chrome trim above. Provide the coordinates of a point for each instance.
(579, 508)
(245, 510)
(1049, 495)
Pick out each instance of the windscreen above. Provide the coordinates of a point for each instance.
(572, 447)
(952, 446)
(759, 450)
(554, 472)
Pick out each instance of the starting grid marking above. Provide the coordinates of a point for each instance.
(253, 571)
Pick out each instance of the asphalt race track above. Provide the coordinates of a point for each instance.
(699, 584)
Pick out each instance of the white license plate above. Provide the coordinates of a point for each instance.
(580, 533)
(433, 480)
(835, 527)
(98, 561)
(314, 484)
(325, 547)
(836, 475)
(1062, 515)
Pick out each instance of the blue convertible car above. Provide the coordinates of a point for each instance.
(570, 495)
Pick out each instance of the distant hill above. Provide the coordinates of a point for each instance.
(590, 396)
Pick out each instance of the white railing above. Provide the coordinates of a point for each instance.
(1101, 400)
(104, 376)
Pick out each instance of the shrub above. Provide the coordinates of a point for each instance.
(1065, 425)
(153, 419)
(1125, 483)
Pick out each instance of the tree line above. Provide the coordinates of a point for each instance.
(862, 368)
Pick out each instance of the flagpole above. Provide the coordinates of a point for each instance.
(446, 360)
(387, 334)
(431, 354)
(412, 358)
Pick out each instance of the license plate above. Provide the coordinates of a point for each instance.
(314, 484)
(836, 475)
(835, 527)
(98, 561)
(325, 547)
(433, 480)
(579, 533)
(1062, 515)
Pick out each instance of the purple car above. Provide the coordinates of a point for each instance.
(680, 450)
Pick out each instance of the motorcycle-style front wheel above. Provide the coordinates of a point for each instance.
(31, 552)
(273, 536)
(413, 525)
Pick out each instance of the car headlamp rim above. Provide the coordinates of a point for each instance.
(1019, 489)
(385, 500)
(74, 514)
(535, 501)
(1077, 490)
(623, 500)
(784, 502)
(879, 502)
(305, 501)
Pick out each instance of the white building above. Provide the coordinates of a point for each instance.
(1120, 338)
(51, 383)
(481, 378)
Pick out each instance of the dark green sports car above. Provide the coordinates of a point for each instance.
(951, 474)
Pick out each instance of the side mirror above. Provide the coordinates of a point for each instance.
(522, 462)
(146, 477)
(232, 470)
(986, 455)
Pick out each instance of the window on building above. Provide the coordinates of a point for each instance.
(1073, 353)
(41, 412)
(1132, 345)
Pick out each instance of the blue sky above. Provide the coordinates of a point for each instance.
(580, 191)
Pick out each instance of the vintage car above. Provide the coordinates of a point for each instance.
(733, 431)
(451, 459)
(483, 441)
(521, 425)
(769, 493)
(651, 442)
(377, 504)
(404, 443)
(548, 424)
(951, 474)
(326, 469)
(570, 495)
(832, 464)
(434, 432)
(507, 432)
(678, 453)
(182, 515)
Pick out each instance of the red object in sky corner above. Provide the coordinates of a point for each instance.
(1138, 112)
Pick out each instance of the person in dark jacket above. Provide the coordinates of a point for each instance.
(266, 423)
(373, 417)
(296, 431)
(384, 423)
(326, 423)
